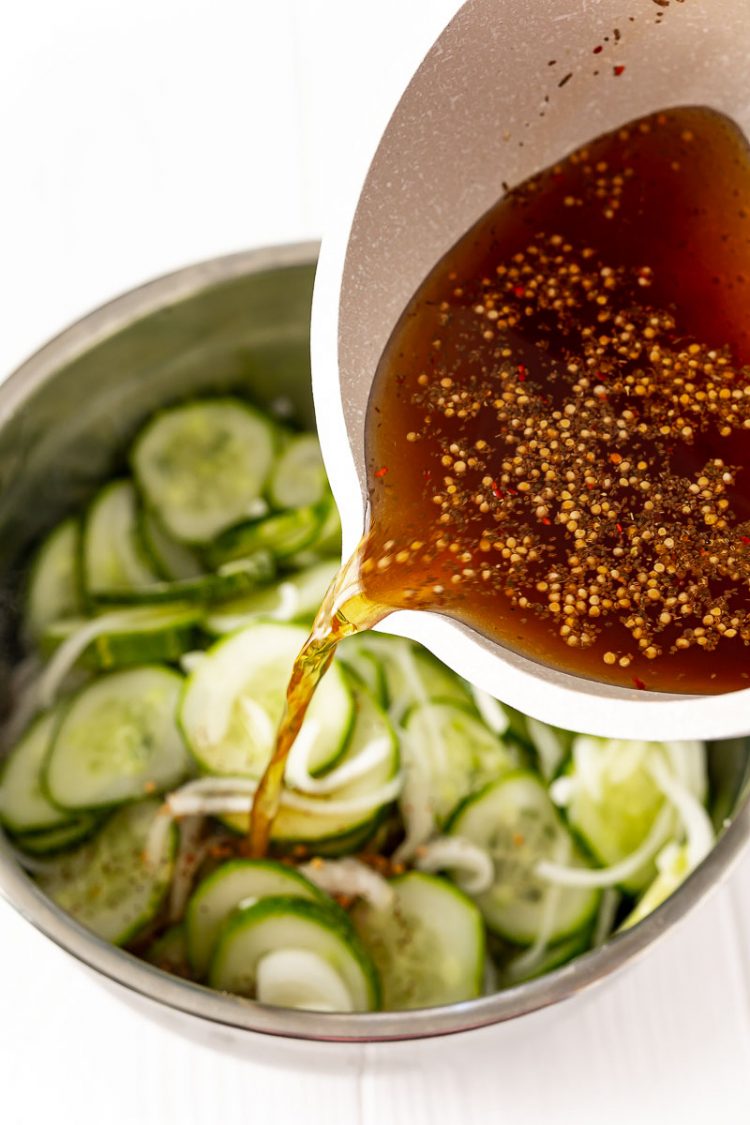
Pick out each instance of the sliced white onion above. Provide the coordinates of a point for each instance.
(588, 757)
(189, 858)
(71, 649)
(489, 976)
(156, 841)
(299, 978)
(298, 775)
(605, 918)
(609, 876)
(416, 810)
(548, 747)
(562, 790)
(332, 807)
(350, 877)
(491, 710)
(189, 661)
(471, 867)
(258, 722)
(214, 796)
(695, 820)
(525, 963)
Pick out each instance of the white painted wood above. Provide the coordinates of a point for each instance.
(137, 135)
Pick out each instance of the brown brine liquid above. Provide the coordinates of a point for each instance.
(558, 433)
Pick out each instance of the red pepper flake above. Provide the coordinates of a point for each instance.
(745, 540)
(496, 490)
(546, 520)
(638, 682)
(426, 473)
(619, 528)
(519, 290)
(618, 70)
(597, 50)
(381, 472)
(521, 373)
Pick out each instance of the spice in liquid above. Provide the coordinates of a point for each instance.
(558, 434)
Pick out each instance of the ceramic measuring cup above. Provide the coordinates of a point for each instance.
(509, 87)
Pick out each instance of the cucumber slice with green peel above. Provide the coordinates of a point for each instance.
(203, 465)
(614, 799)
(106, 884)
(54, 587)
(459, 753)
(118, 740)
(285, 923)
(53, 840)
(519, 968)
(428, 947)
(296, 597)
(141, 635)
(551, 746)
(173, 560)
(230, 581)
(24, 807)
(673, 868)
(336, 833)
(366, 668)
(169, 952)
(327, 541)
(233, 702)
(230, 886)
(514, 820)
(298, 478)
(414, 675)
(282, 534)
(113, 555)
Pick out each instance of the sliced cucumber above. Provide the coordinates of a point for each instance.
(519, 968)
(414, 676)
(113, 556)
(169, 952)
(327, 541)
(118, 740)
(335, 833)
(53, 840)
(428, 947)
(459, 753)
(551, 746)
(366, 667)
(614, 799)
(283, 534)
(173, 560)
(203, 465)
(106, 883)
(299, 476)
(515, 821)
(23, 805)
(141, 635)
(54, 588)
(230, 886)
(234, 699)
(673, 868)
(230, 581)
(296, 597)
(284, 923)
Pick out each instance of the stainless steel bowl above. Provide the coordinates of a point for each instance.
(66, 417)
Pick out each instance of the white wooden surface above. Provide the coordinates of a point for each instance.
(139, 135)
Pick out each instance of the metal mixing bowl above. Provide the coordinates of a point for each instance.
(66, 418)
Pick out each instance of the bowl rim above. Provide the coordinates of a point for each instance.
(196, 1000)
